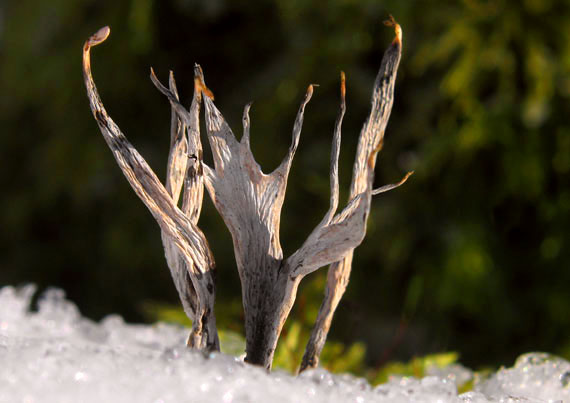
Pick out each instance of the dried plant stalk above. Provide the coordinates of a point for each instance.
(371, 136)
(184, 168)
(181, 232)
(250, 203)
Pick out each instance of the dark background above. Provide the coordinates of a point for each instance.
(471, 255)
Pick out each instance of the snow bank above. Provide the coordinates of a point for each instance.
(56, 355)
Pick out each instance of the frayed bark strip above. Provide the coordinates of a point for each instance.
(371, 137)
(335, 152)
(387, 188)
(189, 241)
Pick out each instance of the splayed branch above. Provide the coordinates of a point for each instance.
(250, 204)
(371, 137)
(183, 239)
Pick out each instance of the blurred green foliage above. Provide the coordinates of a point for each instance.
(471, 255)
(417, 367)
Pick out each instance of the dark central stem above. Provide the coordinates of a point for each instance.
(265, 315)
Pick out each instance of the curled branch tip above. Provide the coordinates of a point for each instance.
(98, 37)
(310, 89)
(391, 22)
(95, 39)
(405, 178)
(386, 188)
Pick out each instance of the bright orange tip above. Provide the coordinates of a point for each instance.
(391, 22)
(201, 87)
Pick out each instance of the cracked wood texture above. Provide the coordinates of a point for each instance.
(250, 204)
(371, 136)
(179, 230)
(185, 169)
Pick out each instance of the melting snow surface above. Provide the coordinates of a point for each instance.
(56, 355)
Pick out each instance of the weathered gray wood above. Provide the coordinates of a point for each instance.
(175, 172)
(250, 203)
(183, 233)
(335, 153)
(184, 168)
(337, 279)
(371, 137)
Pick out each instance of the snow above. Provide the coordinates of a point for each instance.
(56, 355)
